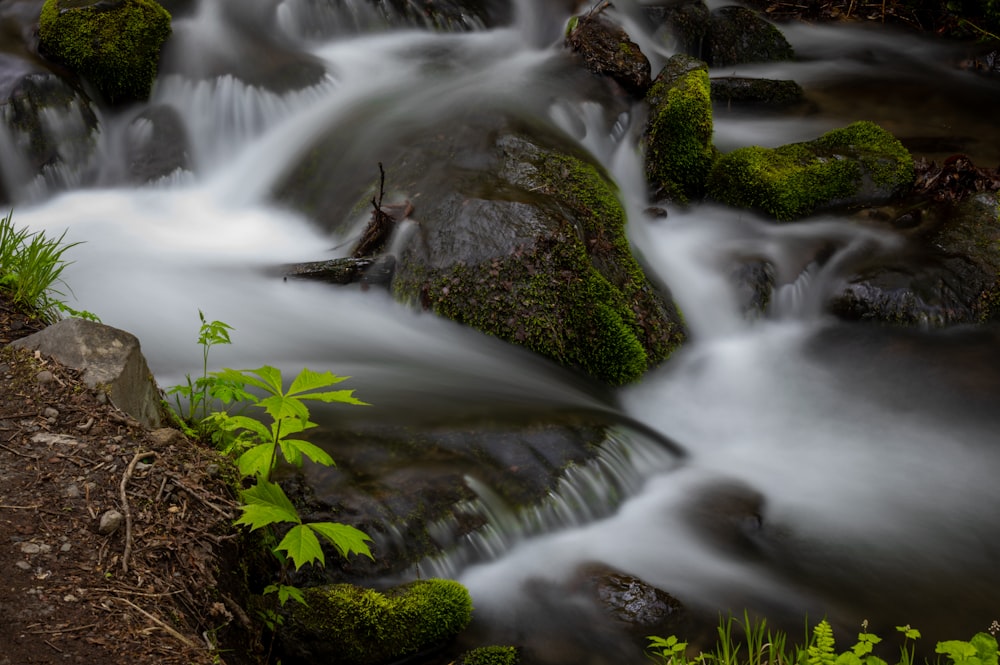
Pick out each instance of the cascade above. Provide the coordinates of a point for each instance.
(858, 465)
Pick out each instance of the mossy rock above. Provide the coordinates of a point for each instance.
(491, 655)
(113, 45)
(741, 90)
(678, 136)
(861, 164)
(738, 35)
(607, 50)
(344, 624)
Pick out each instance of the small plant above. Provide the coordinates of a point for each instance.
(31, 266)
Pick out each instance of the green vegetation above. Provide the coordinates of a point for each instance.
(679, 133)
(759, 645)
(260, 447)
(116, 48)
(31, 266)
(492, 655)
(859, 162)
(364, 627)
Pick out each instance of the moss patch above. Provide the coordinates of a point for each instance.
(859, 163)
(347, 624)
(114, 46)
(679, 150)
(492, 655)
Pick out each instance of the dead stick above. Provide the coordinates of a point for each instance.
(17, 452)
(160, 623)
(125, 509)
(20, 507)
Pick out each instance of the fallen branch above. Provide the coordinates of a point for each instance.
(125, 507)
(160, 623)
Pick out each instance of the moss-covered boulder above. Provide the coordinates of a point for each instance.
(607, 50)
(681, 26)
(114, 45)
(343, 624)
(678, 134)
(948, 272)
(491, 655)
(744, 91)
(738, 35)
(861, 164)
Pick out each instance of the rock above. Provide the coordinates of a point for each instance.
(110, 359)
(491, 655)
(681, 25)
(678, 133)
(948, 273)
(750, 91)
(641, 608)
(48, 130)
(738, 35)
(110, 522)
(115, 45)
(351, 625)
(156, 144)
(861, 164)
(607, 51)
(23, 565)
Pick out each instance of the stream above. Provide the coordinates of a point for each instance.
(855, 467)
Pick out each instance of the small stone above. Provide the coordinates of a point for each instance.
(70, 598)
(30, 548)
(73, 491)
(110, 521)
(23, 565)
(50, 413)
(212, 470)
(66, 547)
(45, 376)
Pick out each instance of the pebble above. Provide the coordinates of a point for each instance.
(50, 413)
(23, 565)
(73, 491)
(66, 547)
(110, 521)
(30, 548)
(45, 376)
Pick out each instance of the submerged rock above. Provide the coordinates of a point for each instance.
(682, 26)
(678, 136)
(640, 608)
(113, 45)
(156, 144)
(861, 164)
(348, 625)
(746, 91)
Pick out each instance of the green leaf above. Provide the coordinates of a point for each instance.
(986, 646)
(309, 380)
(848, 658)
(269, 379)
(958, 651)
(280, 407)
(265, 504)
(344, 537)
(257, 461)
(233, 423)
(301, 546)
(285, 592)
(908, 632)
(341, 396)
(294, 449)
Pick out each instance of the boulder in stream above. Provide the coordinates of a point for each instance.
(351, 625)
(678, 135)
(861, 164)
(114, 45)
(607, 50)
(738, 35)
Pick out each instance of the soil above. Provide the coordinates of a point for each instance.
(164, 586)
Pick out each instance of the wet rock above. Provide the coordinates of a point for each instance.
(738, 35)
(156, 144)
(641, 608)
(678, 133)
(48, 131)
(607, 51)
(113, 45)
(861, 164)
(948, 273)
(728, 90)
(682, 25)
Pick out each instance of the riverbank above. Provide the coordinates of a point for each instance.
(155, 588)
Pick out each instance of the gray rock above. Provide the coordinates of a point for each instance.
(738, 35)
(110, 360)
(110, 522)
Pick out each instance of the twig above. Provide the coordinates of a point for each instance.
(62, 630)
(19, 454)
(177, 481)
(20, 507)
(160, 623)
(125, 508)
(54, 647)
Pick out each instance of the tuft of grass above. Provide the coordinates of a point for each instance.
(31, 266)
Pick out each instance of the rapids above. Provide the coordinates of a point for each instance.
(863, 462)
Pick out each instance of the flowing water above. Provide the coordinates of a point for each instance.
(830, 469)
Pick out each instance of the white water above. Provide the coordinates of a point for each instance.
(874, 495)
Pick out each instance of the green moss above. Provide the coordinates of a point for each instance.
(795, 180)
(116, 48)
(679, 135)
(491, 655)
(364, 627)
